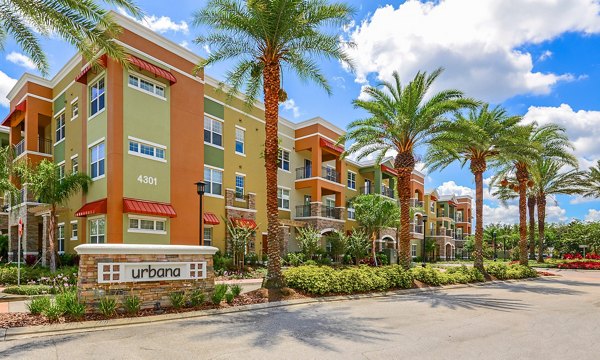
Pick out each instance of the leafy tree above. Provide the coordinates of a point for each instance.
(375, 212)
(483, 138)
(83, 23)
(239, 235)
(339, 244)
(264, 37)
(358, 245)
(46, 184)
(308, 240)
(401, 118)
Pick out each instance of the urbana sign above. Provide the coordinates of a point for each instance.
(150, 271)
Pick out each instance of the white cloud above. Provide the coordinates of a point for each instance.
(478, 42)
(583, 128)
(339, 81)
(290, 104)
(159, 24)
(510, 214)
(21, 60)
(185, 44)
(6, 84)
(578, 199)
(545, 55)
(593, 215)
(207, 49)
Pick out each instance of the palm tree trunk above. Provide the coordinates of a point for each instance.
(522, 178)
(479, 221)
(541, 203)
(531, 200)
(404, 165)
(51, 235)
(271, 78)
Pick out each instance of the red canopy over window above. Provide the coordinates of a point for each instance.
(210, 219)
(148, 208)
(93, 208)
(331, 146)
(241, 222)
(22, 106)
(152, 68)
(82, 77)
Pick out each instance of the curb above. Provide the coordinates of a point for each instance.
(89, 326)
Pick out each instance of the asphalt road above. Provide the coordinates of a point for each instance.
(552, 318)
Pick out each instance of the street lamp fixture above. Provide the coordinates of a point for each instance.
(200, 185)
(494, 245)
(424, 238)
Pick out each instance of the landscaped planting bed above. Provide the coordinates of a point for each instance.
(581, 265)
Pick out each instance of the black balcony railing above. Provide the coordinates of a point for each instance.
(45, 145)
(386, 191)
(331, 212)
(303, 211)
(326, 173)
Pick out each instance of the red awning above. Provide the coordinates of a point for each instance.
(388, 170)
(93, 208)
(22, 106)
(82, 77)
(148, 208)
(210, 219)
(165, 74)
(331, 146)
(241, 222)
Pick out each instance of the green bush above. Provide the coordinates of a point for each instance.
(53, 312)
(197, 297)
(324, 279)
(310, 263)
(30, 290)
(219, 293)
(38, 305)
(324, 261)
(132, 304)
(229, 298)
(428, 275)
(222, 263)
(462, 275)
(65, 276)
(107, 306)
(236, 290)
(294, 259)
(503, 272)
(177, 299)
(382, 259)
(70, 305)
(497, 270)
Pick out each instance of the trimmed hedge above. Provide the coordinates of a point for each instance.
(327, 280)
(503, 272)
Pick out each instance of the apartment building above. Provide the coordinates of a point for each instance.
(147, 133)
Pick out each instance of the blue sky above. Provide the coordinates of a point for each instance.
(539, 59)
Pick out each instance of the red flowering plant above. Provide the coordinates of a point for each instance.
(582, 265)
(592, 256)
(576, 256)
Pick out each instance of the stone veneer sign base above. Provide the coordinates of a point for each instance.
(151, 272)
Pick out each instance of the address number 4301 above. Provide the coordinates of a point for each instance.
(150, 180)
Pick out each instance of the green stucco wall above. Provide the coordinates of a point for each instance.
(214, 157)
(214, 109)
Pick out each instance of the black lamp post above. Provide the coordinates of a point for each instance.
(494, 244)
(424, 238)
(504, 247)
(200, 188)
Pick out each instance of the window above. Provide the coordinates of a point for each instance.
(283, 198)
(61, 238)
(207, 236)
(239, 140)
(351, 180)
(97, 161)
(214, 181)
(74, 109)
(74, 230)
(61, 171)
(239, 186)
(147, 225)
(330, 203)
(213, 131)
(97, 231)
(147, 86)
(431, 206)
(459, 216)
(97, 103)
(150, 151)
(351, 214)
(413, 250)
(75, 165)
(283, 160)
(60, 127)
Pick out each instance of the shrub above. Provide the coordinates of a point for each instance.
(132, 304)
(68, 259)
(30, 290)
(177, 299)
(310, 263)
(497, 270)
(222, 263)
(251, 259)
(324, 261)
(427, 275)
(107, 306)
(461, 275)
(53, 312)
(70, 305)
(236, 290)
(229, 298)
(294, 259)
(38, 305)
(308, 240)
(197, 297)
(585, 265)
(514, 271)
(219, 293)
(382, 259)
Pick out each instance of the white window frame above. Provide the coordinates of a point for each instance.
(74, 226)
(155, 84)
(238, 130)
(353, 179)
(96, 220)
(61, 170)
(329, 201)
(60, 237)
(210, 181)
(75, 164)
(281, 198)
(413, 250)
(103, 94)
(153, 219)
(213, 120)
(351, 214)
(91, 150)
(281, 160)
(243, 177)
(74, 109)
(209, 237)
(61, 131)
(155, 147)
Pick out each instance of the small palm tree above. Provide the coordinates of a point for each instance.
(402, 118)
(482, 138)
(6, 171)
(47, 186)
(592, 182)
(83, 23)
(265, 36)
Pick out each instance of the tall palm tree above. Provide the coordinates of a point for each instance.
(402, 118)
(551, 180)
(374, 213)
(264, 36)
(483, 137)
(592, 181)
(548, 142)
(83, 23)
(49, 187)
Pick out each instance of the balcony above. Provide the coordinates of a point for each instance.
(327, 173)
(20, 147)
(303, 211)
(44, 146)
(417, 229)
(416, 203)
(331, 212)
(385, 191)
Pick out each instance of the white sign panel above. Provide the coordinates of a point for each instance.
(150, 271)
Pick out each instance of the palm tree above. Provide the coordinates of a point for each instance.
(592, 182)
(401, 118)
(548, 142)
(6, 170)
(264, 36)
(550, 180)
(50, 187)
(481, 138)
(83, 23)
(373, 213)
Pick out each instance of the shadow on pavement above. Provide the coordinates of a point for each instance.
(461, 301)
(311, 325)
(537, 289)
(19, 349)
